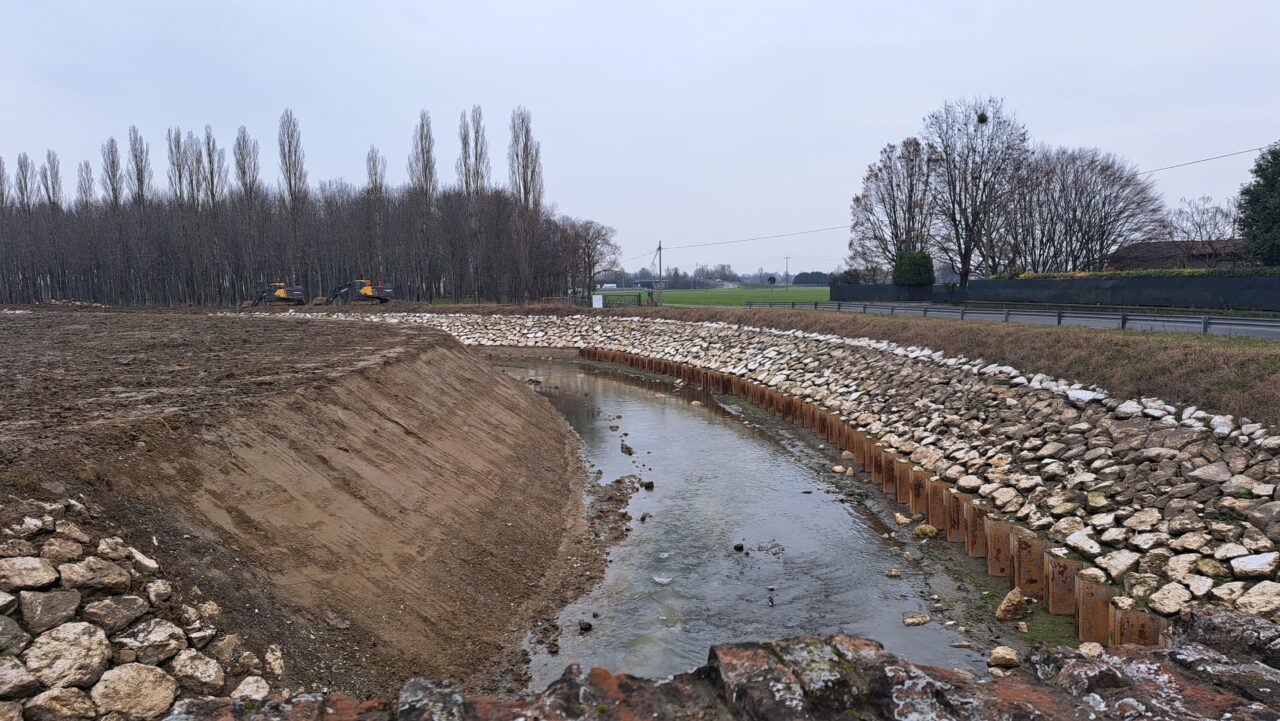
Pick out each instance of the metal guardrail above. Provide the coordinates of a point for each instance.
(1268, 328)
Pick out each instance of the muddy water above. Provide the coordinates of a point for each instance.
(675, 586)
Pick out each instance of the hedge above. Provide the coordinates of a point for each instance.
(1248, 272)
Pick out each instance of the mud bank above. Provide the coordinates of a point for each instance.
(424, 504)
(377, 504)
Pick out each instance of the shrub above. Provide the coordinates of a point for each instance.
(913, 268)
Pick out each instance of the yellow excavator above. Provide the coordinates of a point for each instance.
(357, 291)
(281, 293)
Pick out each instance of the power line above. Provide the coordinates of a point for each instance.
(1203, 160)
(843, 227)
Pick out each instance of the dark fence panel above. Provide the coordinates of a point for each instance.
(1208, 292)
(1261, 293)
(884, 293)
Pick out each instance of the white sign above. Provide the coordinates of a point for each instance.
(597, 301)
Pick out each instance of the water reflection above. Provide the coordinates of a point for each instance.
(812, 565)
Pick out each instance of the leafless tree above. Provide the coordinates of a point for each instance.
(4, 188)
(1069, 209)
(422, 160)
(864, 264)
(292, 164)
(894, 211)
(51, 181)
(524, 161)
(246, 160)
(24, 184)
(594, 250)
(423, 189)
(195, 243)
(84, 186)
(177, 165)
(974, 146)
(139, 178)
(112, 178)
(215, 170)
(296, 195)
(375, 164)
(473, 176)
(1209, 227)
(1110, 205)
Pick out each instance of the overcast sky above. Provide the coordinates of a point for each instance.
(685, 122)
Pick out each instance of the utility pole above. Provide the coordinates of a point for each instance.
(660, 282)
(786, 274)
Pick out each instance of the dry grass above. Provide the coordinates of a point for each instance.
(1240, 376)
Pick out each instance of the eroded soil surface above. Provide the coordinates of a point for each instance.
(374, 499)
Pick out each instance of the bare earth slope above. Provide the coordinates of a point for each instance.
(379, 502)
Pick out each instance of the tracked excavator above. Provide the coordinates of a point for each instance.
(279, 293)
(357, 291)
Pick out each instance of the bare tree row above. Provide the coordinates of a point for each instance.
(217, 230)
(975, 193)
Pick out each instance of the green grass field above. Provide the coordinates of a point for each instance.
(738, 296)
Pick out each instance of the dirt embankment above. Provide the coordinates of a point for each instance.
(380, 502)
(1239, 376)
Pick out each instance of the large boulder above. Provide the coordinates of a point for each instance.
(60, 704)
(1013, 606)
(154, 641)
(25, 573)
(1172, 598)
(115, 612)
(12, 637)
(15, 680)
(197, 672)
(1259, 565)
(1118, 563)
(254, 688)
(42, 610)
(73, 654)
(135, 690)
(1263, 599)
(94, 574)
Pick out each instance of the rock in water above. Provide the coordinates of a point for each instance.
(925, 530)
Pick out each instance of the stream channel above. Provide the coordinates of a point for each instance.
(675, 586)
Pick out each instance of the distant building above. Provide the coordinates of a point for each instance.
(1165, 254)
